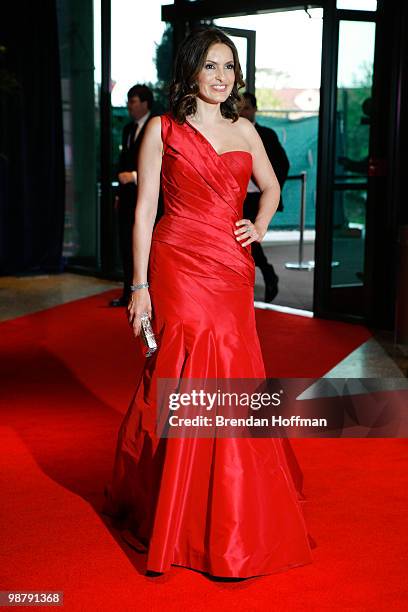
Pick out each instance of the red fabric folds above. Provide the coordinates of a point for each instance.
(228, 506)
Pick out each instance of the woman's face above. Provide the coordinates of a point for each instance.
(217, 77)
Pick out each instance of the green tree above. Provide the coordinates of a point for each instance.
(164, 68)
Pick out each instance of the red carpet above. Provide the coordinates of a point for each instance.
(68, 374)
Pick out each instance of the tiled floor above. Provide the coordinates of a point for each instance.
(379, 357)
(20, 295)
(295, 286)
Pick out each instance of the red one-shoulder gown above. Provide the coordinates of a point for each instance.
(225, 506)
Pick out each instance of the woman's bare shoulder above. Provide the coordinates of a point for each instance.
(154, 124)
(246, 126)
(247, 130)
(153, 130)
(156, 120)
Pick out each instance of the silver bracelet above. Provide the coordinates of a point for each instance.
(140, 286)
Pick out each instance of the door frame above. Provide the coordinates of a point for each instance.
(325, 298)
(250, 36)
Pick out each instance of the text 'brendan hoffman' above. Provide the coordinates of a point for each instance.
(250, 421)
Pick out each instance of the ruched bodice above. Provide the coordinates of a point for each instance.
(203, 196)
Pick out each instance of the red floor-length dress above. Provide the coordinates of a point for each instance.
(226, 506)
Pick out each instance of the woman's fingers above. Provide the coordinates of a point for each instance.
(136, 324)
(242, 230)
(137, 321)
(248, 241)
(130, 314)
(136, 327)
(248, 228)
(136, 307)
(248, 232)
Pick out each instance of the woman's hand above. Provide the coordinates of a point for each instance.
(250, 231)
(139, 303)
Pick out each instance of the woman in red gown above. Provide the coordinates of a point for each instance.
(225, 506)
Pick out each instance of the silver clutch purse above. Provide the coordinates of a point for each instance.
(147, 335)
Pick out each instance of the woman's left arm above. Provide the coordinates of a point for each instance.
(265, 178)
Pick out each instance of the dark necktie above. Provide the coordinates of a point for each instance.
(132, 135)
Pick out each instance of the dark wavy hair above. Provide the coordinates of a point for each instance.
(190, 59)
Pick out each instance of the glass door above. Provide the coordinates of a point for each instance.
(352, 139)
(344, 194)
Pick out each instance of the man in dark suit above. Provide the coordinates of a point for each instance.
(140, 102)
(280, 164)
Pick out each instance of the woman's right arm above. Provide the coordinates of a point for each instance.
(148, 189)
